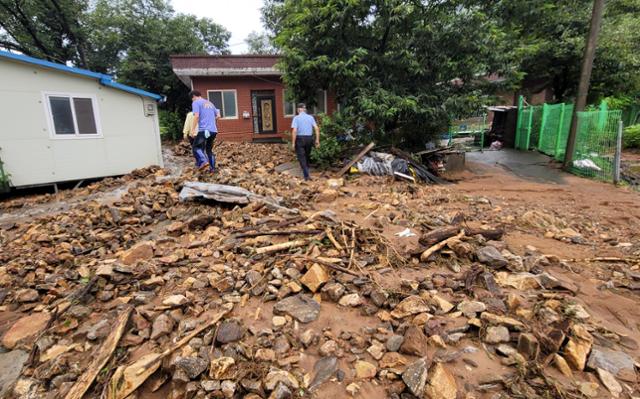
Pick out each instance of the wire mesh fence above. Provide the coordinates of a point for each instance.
(468, 134)
(596, 141)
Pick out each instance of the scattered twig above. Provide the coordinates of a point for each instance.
(277, 233)
(435, 248)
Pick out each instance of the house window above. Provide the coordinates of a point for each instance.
(289, 106)
(225, 101)
(73, 115)
(321, 102)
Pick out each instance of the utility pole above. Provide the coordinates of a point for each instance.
(585, 78)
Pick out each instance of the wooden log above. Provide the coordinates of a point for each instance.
(281, 247)
(101, 358)
(277, 233)
(353, 161)
(435, 236)
(430, 251)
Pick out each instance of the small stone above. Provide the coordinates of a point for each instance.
(335, 291)
(353, 389)
(616, 362)
(281, 392)
(323, 370)
(327, 195)
(376, 350)
(162, 325)
(528, 346)
(175, 300)
(301, 307)
(27, 295)
(442, 304)
(410, 306)
(379, 298)
(228, 388)
(392, 360)
(99, 330)
(365, 370)
(415, 342)
(497, 334)
(470, 308)
(491, 257)
(10, 367)
(24, 328)
(415, 377)
(442, 385)
(328, 348)
(139, 252)
(315, 277)
(351, 300)
(589, 389)
(79, 311)
(437, 341)
(578, 347)
(609, 381)
(193, 366)
(306, 338)
(278, 321)
(265, 355)
(562, 365)
(230, 331)
(210, 385)
(276, 376)
(219, 367)
(394, 342)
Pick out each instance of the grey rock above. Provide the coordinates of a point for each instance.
(162, 325)
(616, 362)
(193, 366)
(230, 331)
(490, 256)
(379, 298)
(281, 392)
(10, 366)
(394, 342)
(415, 377)
(228, 388)
(334, 290)
(210, 385)
(497, 334)
(323, 370)
(99, 330)
(79, 311)
(301, 307)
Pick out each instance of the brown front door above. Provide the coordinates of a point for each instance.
(264, 111)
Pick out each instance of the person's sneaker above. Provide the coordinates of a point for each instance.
(204, 166)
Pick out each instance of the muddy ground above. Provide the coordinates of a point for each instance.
(75, 262)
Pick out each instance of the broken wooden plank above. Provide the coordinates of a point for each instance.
(432, 250)
(353, 161)
(101, 358)
(435, 236)
(281, 247)
(127, 379)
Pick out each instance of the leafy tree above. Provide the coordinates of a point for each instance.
(399, 67)
(260, 43)
(131, 39)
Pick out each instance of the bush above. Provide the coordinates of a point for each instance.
(631, 137)
(331, 128)
(171, 124)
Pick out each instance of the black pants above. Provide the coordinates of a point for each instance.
(304, 145)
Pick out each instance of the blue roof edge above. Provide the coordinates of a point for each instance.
(102, 78)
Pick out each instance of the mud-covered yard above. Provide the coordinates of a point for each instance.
(495, 286)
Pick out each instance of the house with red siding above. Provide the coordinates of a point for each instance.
(249, 92)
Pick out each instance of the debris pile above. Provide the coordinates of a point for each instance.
(261, 293)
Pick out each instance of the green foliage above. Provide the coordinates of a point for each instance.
(330, 147)
(131, 39)
(171, 124)
(631, 137)
(396, 66)
(260, 43)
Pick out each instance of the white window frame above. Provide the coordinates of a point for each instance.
(284, 105)
(315, 107)
(235, 95)
(77, 135)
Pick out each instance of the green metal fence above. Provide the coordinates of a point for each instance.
(596, 140)
(468, 134)
(554, 129)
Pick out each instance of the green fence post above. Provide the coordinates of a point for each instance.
(529, 129)
(545, 115)
(519, 121)
(559, 132)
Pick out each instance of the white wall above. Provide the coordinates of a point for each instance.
(32, 156)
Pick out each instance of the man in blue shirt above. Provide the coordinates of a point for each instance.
(302, 128)
(204, 128)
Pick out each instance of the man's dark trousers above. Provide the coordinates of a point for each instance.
(304, 145)
(203, 149)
